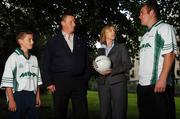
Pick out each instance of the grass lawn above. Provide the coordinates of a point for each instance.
(46, 111)
(93, 104)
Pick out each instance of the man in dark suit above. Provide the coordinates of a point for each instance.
(66, 71)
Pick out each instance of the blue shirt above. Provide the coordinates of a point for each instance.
(107, 49)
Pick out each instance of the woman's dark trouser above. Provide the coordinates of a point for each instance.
(113, 100)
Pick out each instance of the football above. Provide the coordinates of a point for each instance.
(102, 63)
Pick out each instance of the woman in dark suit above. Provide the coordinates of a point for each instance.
(112, 84)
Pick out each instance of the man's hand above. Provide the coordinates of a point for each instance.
(160, 85)
(51, 88)
(167, 64)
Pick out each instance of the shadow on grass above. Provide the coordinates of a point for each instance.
(46, 110)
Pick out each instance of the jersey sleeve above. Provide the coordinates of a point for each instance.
(39, 77)
(168, 34)
(9, 73)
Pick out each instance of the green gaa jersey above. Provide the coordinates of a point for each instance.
(155, 43)
(21, 73)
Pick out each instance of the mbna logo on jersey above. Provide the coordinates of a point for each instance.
(20, 65)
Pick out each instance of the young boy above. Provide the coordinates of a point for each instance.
(21, 79)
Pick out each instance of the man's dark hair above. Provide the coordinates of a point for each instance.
(65, 15)
(152, 5)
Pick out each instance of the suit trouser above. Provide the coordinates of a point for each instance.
(74, 89)
(113, 100)
(155, 105)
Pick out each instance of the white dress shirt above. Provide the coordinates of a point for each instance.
(69, 39)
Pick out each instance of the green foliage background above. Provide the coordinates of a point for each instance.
(42, 16)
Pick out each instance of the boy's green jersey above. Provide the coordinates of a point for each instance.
(21, 73)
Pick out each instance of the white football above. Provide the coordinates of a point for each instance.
(102, 63)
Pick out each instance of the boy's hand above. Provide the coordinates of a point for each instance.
(38, 101)
(12, 103)
(51, 88)
(12, 106)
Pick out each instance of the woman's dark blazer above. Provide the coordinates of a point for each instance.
(121, 64)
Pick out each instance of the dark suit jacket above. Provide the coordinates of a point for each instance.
(58, 59)
(121, 64)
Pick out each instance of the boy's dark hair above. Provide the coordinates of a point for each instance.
(152, 5)
(20, 34)
(22, 29)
